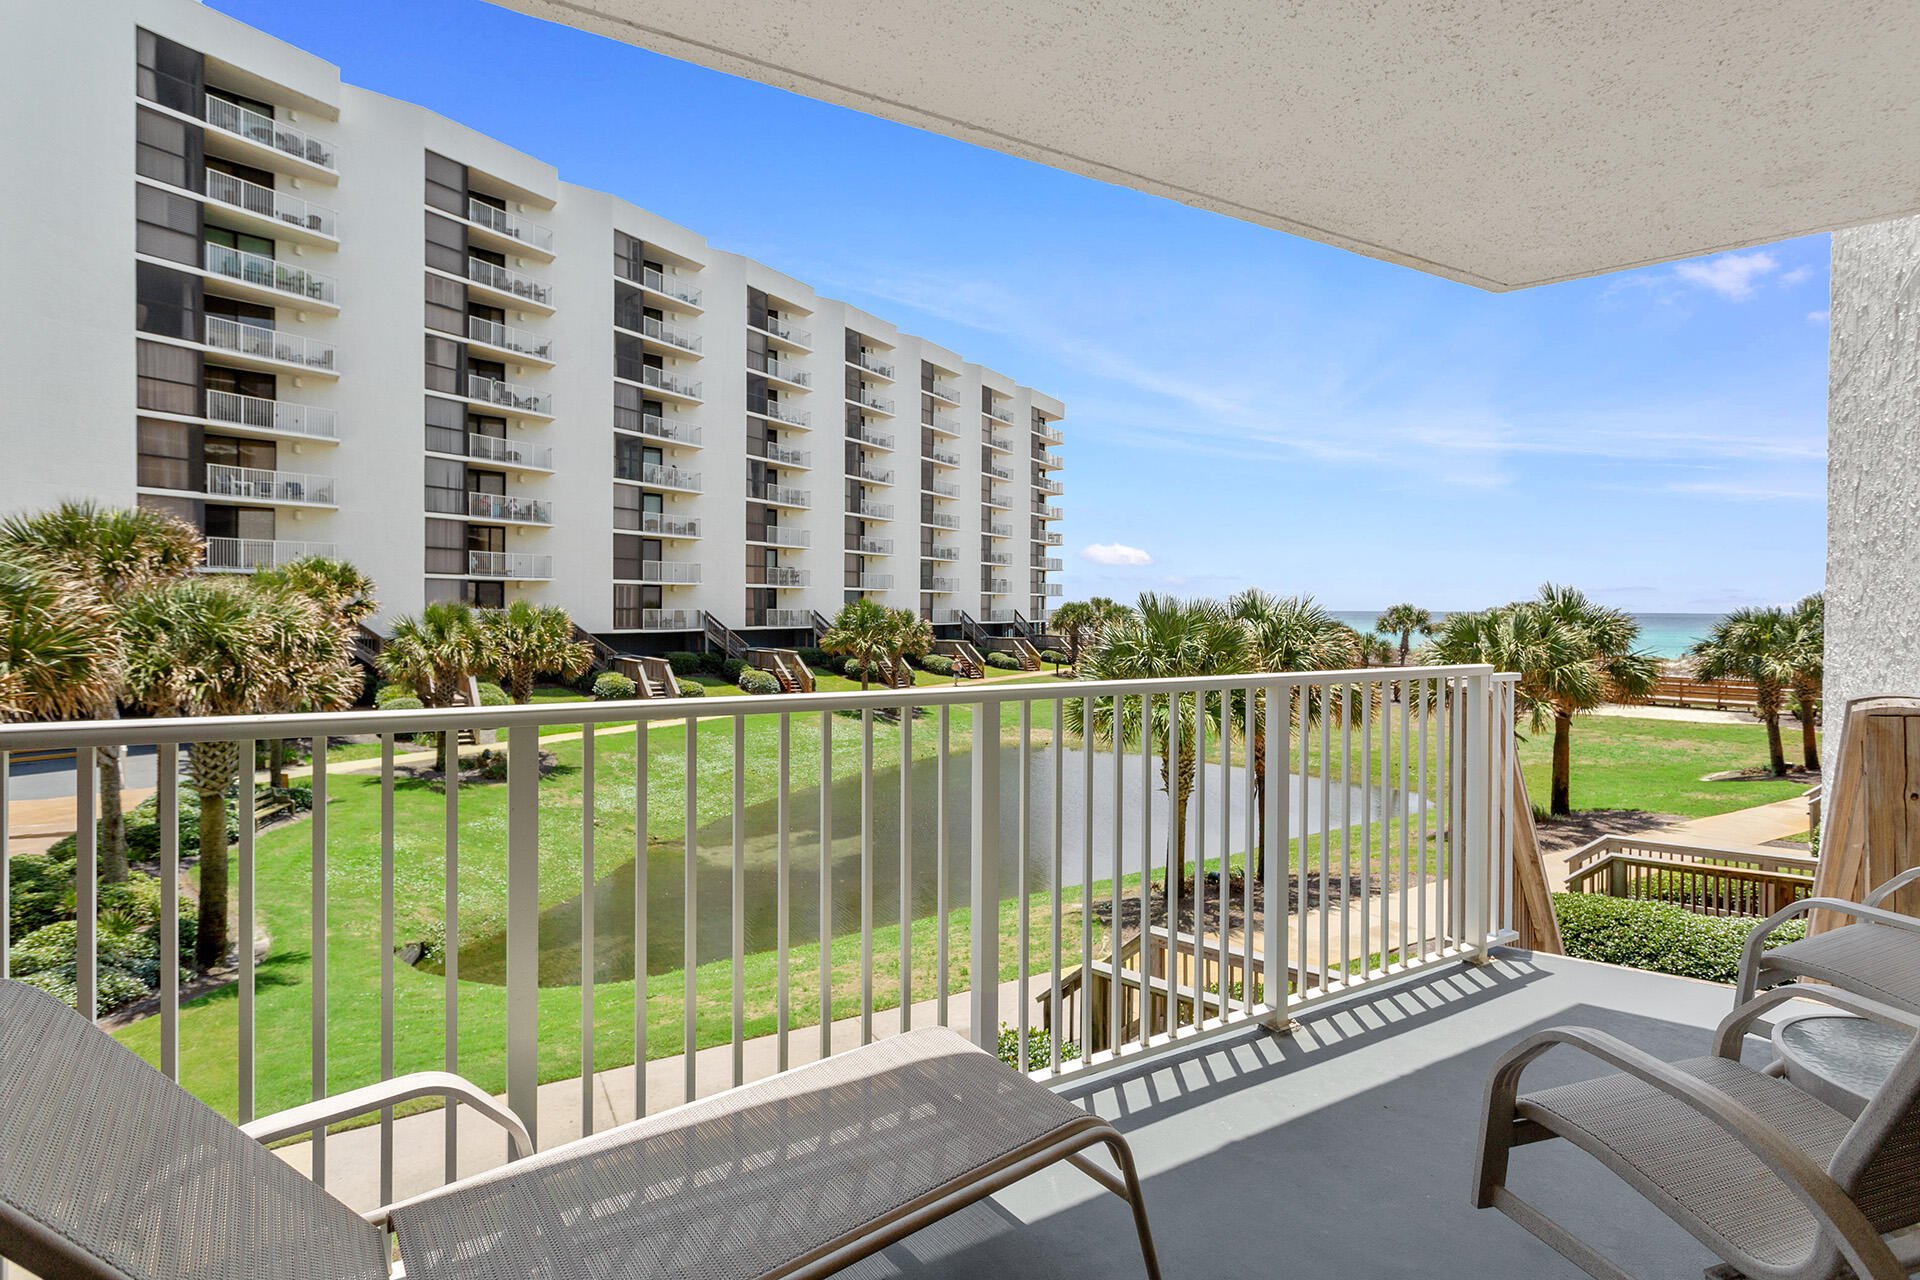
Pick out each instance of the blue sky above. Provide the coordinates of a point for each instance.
(1243, 407)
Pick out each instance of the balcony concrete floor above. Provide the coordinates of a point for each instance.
(1344, 1150)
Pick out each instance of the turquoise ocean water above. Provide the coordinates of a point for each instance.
(1664, 635)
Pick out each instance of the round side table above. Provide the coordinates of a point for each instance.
(1838, 1058)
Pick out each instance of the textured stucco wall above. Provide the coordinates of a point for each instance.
(1873, 465)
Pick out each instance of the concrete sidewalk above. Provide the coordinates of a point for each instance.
(1743, 828)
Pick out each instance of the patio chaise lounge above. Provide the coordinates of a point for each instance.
(109, 1171)
(1878, 955)
(1775, 1181)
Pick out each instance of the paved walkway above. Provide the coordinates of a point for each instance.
(1743, 828)
(1697, 715)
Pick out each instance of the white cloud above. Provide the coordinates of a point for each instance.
(1796, 275)
(1731, 275)
(1114, 553)
(1741, 492)
(1819, 317)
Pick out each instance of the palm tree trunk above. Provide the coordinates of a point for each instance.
(1406, 646)
(277, 763)
(1776, 750)
(113, 821)
(1809, 739)
(212, 767)
(1257, 784)
(522, 679)
(1562, 790)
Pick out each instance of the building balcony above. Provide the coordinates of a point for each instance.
(670, 286)
(998, 587)
(677, 340)
(790, 334)
(775, 370)
(244, 555)
(675, 430)
(943, 457)
(1047, 433)
(509, 453)
(945, 424)
(787, 618)
(775, 535)
(999, 499)
(941, 586)
(522, 343)
(779, 411)
(1050, 564)
(782, 577)
(998, 530)
(999, 413)
(778, 495)
(938, 520)
(273, 488)
(1047, 460)
(997, 617)
(265, 131)
(659, 524)
(524, 232)
(269, 279)
(271, 348)
(664, 475)
(874, 365)
(997, 442)
(1049, 486)
(945, 488)
(1046, 512)
(942, 389)
(509, 395)
(874, 475)
(870, 546)
(277, 417)
(871, 582)
(515, 287)
(872, 510)
(1049, 588)
(947, 617)
(275, 212)
(996, 470)
(783, 455)
(1053, 538)
(996, 557)
(938, 552)
(870, 436)
(670, 572)
(509, 508)
(665, 381)
(517, 566)
(872, 402)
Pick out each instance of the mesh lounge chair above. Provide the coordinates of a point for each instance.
(1878, 956)
(1776, 1182)
(109, 1171)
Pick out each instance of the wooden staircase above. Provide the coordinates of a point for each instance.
(1019, 647)
(786, 666)
(652, 677)
(967, 662)
(467, 695)
(821, 625)
(721, 638)
(367, 646)
(970, 631)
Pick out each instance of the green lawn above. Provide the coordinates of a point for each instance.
(1621, 763)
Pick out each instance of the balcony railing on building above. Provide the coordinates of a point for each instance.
(262, 272)
(943, 457)
(995, 617)
(670, 619)
(512, 453)
(785, 370)
(780, 494)
(868, 435)
(244, 555)
(781, 454)
(1050, 434)
(509, 395)
(945, 423)
(870, 546)
(665, 282)
(668, 476)
(1051, 564)
(263, 343)
(517, 565)
(503, 223)
(872, 581)
(995, 529)
(945, 488)
(669, 571)
(873, 510)
(256, 484)
(787, 618)
(267, 202)
(875, 475)
(1048, 461)
(874, 364)
(949, 391)
(509, 506)
(777, 535)
(998, 414)
(947, 617)
(781, 576)
(939, 520)
(938, 552)
(671, 335)
(1000, 498)
(1050, 486)
(662, 525)
(1046, 512)
(779, 411)
(941, 586)
(1053, 539)
(781, 329)
(506, 280)
(995, 470)
(1050, 589)
(674, 429)
(507, 338)
(654, 376)
(263, 414)
(872, 400)
(996, 557)
(998, 443)
(238, 120)
(998, 587)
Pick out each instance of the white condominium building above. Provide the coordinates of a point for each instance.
(310, 318)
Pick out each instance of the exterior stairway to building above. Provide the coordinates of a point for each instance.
(721, 638)
(786, 666)
(967, 662)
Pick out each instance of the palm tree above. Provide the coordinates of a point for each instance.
(106, 554)
(1758, 645)
(435, 654)
(209, 648)
(910, 636)
(1571, 655)
(1404, 620)
(1077, 620)
(861, 630)
(343, 594)
(58, 652)
(1807, 660)
(1164, 638)
(525, 637)
(1290, 634)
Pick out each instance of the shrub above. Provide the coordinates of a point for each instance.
(143, 830)
(683, 663)
(692, 690)
(1054, 656)
(405, 702)
(1658, 935)
(388, 694)
(712, 663)
(492, 695)
(611, 686)
(754, 680)
(732, 669)
(938, 663)
(815, 658)
(1004, 661)
(1039, 1048)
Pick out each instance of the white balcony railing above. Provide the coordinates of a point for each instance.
(945, 488)
(509, 506)
(781, 329)
(267, 202)
(662, 525)
(938, 520)
(1053, 539)
(999, 414)
(1050, 486)
(872, 400)
(869, 435)
(996, 530)
(517, 565)
(873, 510)
(997, 616)
(507, 338)
(998, 443)
(871, 546)
(997, 471)
(670, 619)
(511, 453)
(1050, 564)
(255, 484)
(875, 475)
(998, 498)
(945, 423)
(665, 282)
(1048, 460)
(663, 379)
(262, 272)
(998, 587)
(874, 364)
(244, 555)
(1046, 512)
(268, 344)
(780, 536)
(1050, 588)
(873, 582)
(509, 395)
(671, 335)
(949, 391)
(783, 577)
(669, 571)
(996, 557)
(785, 370)
(783, 495)
(943, 457)
(942, 586)
(779, 411)
(947, 617)
(1049, 434)
(506, 280)
(262, 414)
(503, 223)
(238, 120)
(675, 429)
(786, 457)
(667, 476)
(938, 552)
(787, 618)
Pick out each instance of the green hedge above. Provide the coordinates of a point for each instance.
(611, 686)
(753, 680)
(1658, 935)
(937, 663)
(1004, 661)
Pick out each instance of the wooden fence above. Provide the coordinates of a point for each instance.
(1703, 880)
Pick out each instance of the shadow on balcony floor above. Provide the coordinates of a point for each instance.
(1344, 1150)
